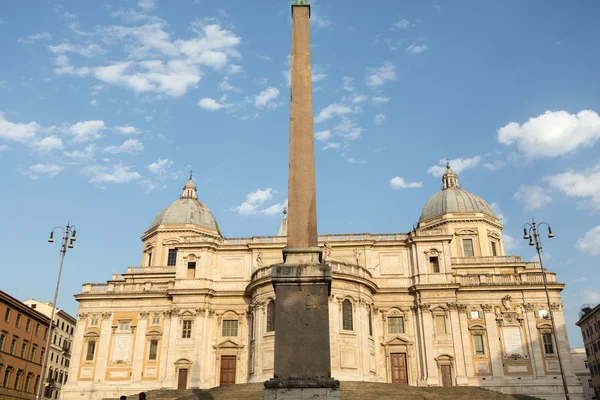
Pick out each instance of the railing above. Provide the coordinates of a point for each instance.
(336, 268)
(151, 270)
(127, 287)
(485, 260)
(322, 238)
(504, 279)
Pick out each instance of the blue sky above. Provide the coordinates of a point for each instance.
(105, 107)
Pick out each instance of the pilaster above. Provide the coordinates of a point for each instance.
(459, 361)
(493, 341)
(138, 350)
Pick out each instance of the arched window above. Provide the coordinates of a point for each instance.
(347, 315)
(271, 316)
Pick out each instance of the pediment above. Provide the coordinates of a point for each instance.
(397, 341)
(466, 232)
(438, 308)
(228, 344)
(171, 241)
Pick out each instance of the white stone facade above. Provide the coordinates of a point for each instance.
(440, 305)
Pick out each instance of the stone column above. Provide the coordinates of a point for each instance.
(459, 361)
(465, 335)
(197, 364)
(533, 341)
(493, 341)
(427, 324)
(164, 346)
(138, 350)
(170, 359)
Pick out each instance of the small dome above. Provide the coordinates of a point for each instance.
(453, 198)
(186, 210)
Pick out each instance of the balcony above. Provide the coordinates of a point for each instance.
(118, 287)
(485, 260)
(527, 278)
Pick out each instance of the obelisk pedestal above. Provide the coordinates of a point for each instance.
(302, 283)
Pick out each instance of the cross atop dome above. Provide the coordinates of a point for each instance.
(189, 190)
(450, 179)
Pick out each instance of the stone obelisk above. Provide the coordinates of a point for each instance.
(302, 283)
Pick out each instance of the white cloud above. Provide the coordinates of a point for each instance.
(494, 165)
(317, 77)
(87, 131)
(332, 110)
(323, 136)
(211, 104)
(399, 183)
(275, 209)
(116, 174)
(584, 184)
(590, 242)
(590, 296)
(380, 100)
(225, 86)
(349, 129)
(160, 166)
(416, 48)
(49, 170)
(403, 24)
(128, 130)
(553, 133)
(4, 147)
(534, 197)
(147, 4)
(378, 76)
(94, 102)
(379, 119)
(134, 16)
(499, 213)
(91, 50)
(265, 99)
(48, 144)
(86, 154)
(348, 83)
(359, 98)
(458, 165)
(130, 146)
(332, 145)
(254, 201)
(35, 37)
(16, 131)
(510, 243)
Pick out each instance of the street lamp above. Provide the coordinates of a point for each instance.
(530, 231)
(69, 235)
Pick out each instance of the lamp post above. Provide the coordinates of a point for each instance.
(530, 231)
(69, 230)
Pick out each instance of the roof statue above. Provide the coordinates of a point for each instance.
(301, 3)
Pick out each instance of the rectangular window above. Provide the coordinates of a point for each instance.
(440, 324)
(494, 251)
(230, 327)
(434, 264)
(172, 258)
(370, 323)
(191, 270)
(124, 326)
(94, 321)
(17, 379)
(33, 351)
(150, 259)
(156, 320)
(2, 341)
(548, 346)
(27, 325)
(7, 373)
(18, 321)
(478, 344)
(42, 354)
(23, 350)
(186, 331)
(153, 350)
(594, 346)
(7, 315)
(46, 334)
(13, 346)
(91, 349)
(28, 381)
(468, 248)
(395, 324)
(474, 314)
(37, 329)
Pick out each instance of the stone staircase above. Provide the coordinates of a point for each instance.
(350, 391)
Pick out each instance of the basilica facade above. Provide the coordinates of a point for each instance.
(441, 305)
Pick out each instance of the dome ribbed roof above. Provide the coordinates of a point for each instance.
(186, 210)
(452, 199)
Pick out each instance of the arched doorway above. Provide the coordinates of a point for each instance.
(183, 368)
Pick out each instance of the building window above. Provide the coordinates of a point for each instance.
(27, 325)
(13, 346)
(434, 264)
(51, 357)
(18, 321)
(475, 314)
(186, 330)
(347, 323)
(156, 320)
(124, 326)
(548, 345)
(230, 327)
(172, 258)
(149, 258)
(23, 350)
(468, 248)
(2, 341)
(191, 270)
(590, 384)
(370, 323)
(28, 382)
(91, 349)
(33, 351)
(494, 250)
(271, 316)
(6, 376)
(37, 381)
(440, 324)
(45, 333)
(18, 379)
(395, 324)
(153, 350)
(42, 354)
(7, 315)
(37, 329)
(94, 321)
(478, 344)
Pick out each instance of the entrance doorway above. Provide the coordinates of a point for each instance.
(228, 370)
(398, 368)
(182, 378)
(446, 371)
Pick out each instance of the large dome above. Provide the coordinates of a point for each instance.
(452, 199)
(186, 210)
